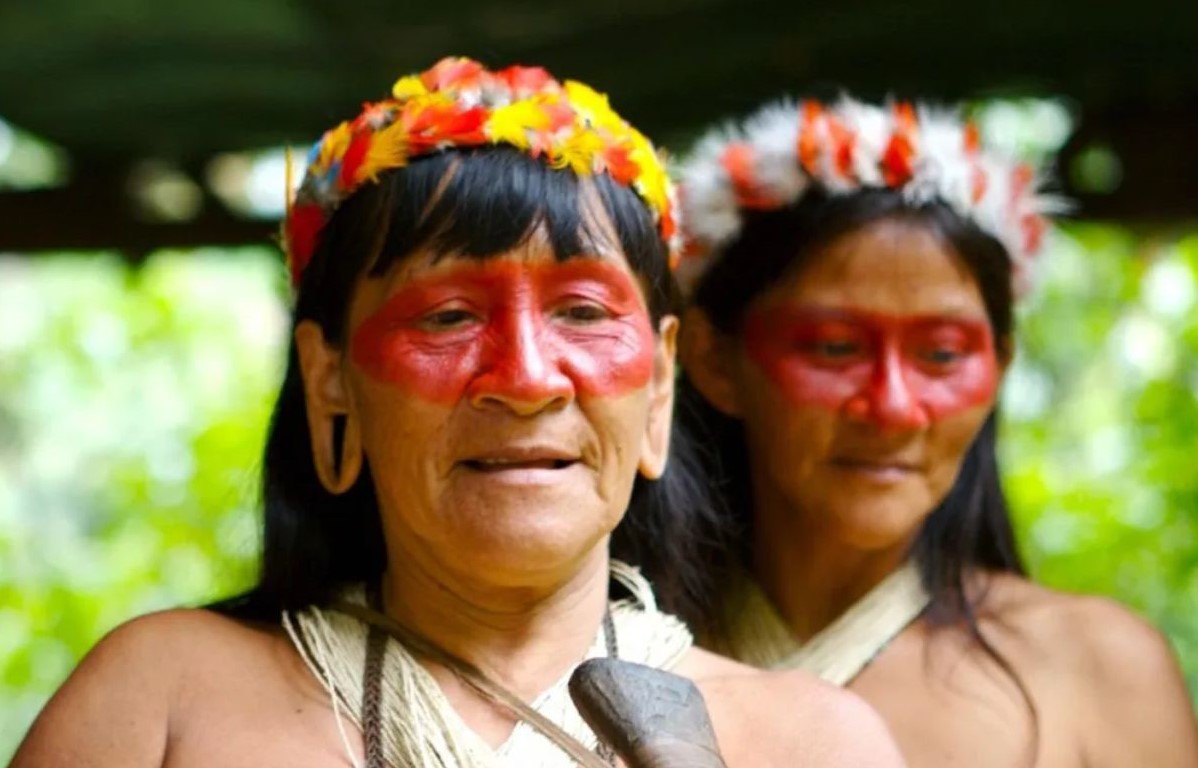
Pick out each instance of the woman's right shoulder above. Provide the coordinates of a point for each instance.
(116, 706)
(175, 641)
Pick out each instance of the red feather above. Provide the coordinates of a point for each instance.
(808, 149)
(302, 229)
(896, 160)
(620, 165)
(972, 137)
(980, 183)
(1034, 228)
(738, 162)
(434, 125)
(843, 143)
(525, 81)
(355, 153)
(452, 72)
(904, 115)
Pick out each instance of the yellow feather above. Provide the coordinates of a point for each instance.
(388, 149)
(512, 124)
(333, 146)
(407, 87)
(592, 106)
(578, 151)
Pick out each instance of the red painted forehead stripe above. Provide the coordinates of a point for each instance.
(898, 371)
(511, 329)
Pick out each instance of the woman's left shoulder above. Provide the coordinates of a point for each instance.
(1096, 638)
(1097, 655)
(1097, 668)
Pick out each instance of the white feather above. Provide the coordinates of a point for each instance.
(943, 170)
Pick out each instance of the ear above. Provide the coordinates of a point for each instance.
(655, 448)
(704, 353)
(326, 404)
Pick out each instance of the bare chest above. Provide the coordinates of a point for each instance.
(262, 740)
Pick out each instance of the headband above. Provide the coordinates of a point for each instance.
(459, 104)
(773, 158)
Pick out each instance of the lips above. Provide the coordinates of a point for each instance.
(876, 464)
(493, 465)
(876, 470)
(517, 457)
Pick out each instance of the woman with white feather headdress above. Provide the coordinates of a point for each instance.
(852, 272)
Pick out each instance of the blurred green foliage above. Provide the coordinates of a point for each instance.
(1100, 425)
(133, 405)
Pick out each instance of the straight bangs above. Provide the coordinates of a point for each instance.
(482, 203)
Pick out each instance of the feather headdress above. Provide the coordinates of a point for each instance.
(459, 103)
(774, 157)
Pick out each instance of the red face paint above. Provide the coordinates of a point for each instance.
(900, 372)
(510, 329)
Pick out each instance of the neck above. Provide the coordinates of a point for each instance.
(522, 637)
(809, 575)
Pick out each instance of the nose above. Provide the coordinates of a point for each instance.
(521, 372)
(888, 400)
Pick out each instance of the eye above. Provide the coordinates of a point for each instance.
(942, 355)
(834, 349)
(583, 313)
(448, 319)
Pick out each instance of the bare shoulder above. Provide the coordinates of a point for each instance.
(766, 718)
(1095, 639)
(171, 646)
(115, 708)
(1104, 664)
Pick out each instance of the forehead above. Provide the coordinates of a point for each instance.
(892, 267)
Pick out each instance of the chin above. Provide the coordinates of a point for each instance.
(879, 523)
(512, 543)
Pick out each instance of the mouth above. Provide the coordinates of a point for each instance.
(877, 469)
(517, 459)
(504, 465)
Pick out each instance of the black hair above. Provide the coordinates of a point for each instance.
(479, 204)
(970, 529)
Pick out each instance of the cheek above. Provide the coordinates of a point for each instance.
(801, 382)
(436, 369)
(611, 359)
(785, 436)
(973, 384)
(948, 442)
(393, 424)
(618, 425)
(806, 385)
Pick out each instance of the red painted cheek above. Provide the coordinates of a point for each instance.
(972, 383)
(772, 341)
(519, 341)
(612, 360)
(611, 355)
(434, 366)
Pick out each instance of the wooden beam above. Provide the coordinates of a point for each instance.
(96, 215)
